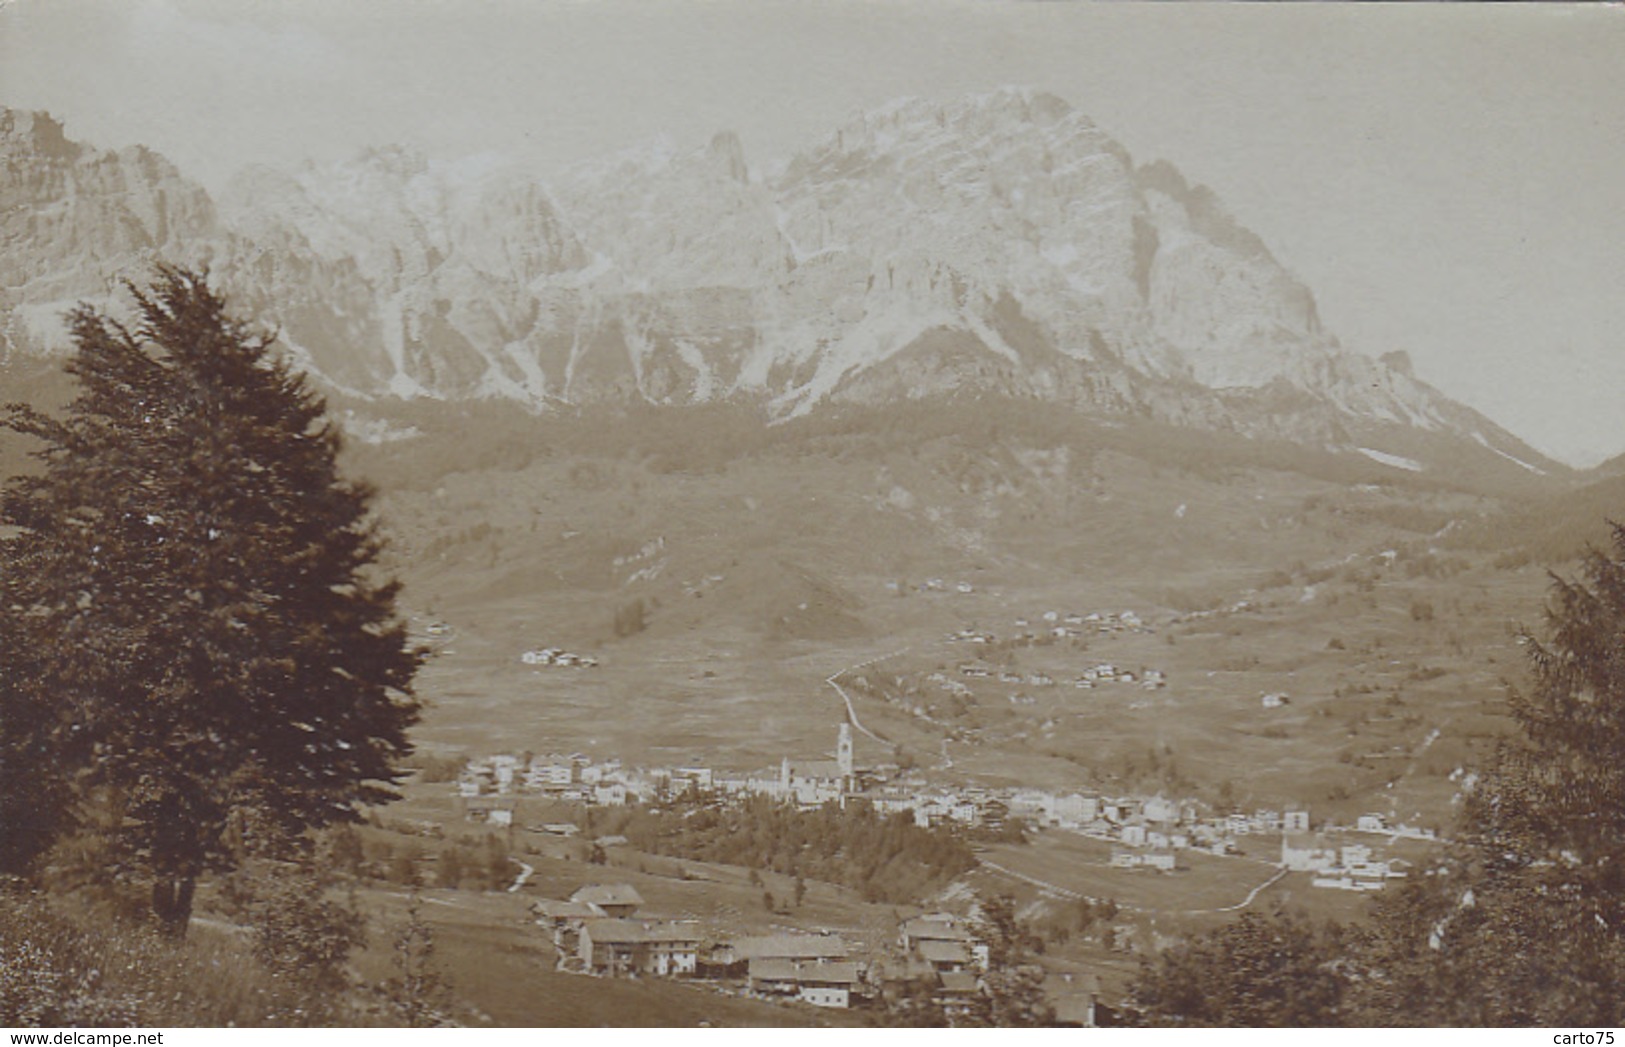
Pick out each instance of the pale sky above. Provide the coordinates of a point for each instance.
(1449, 180)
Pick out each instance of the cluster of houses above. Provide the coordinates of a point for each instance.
(1105, 672)
(1350, 867)
(557, 657)
(1146, 832)
(1059, 625)
(938, 585)
(601, 930)
(1376, 823)
(1054, 625)
(576, 778)
(597, 930)
(579, 778)
(941, 951)
(1094, 675)
(1156, 824)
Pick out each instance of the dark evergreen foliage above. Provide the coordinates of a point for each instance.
(886, 858)
(1013, 986)
(194, 633)
(1259, 971)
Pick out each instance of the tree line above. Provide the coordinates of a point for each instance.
(884, 857)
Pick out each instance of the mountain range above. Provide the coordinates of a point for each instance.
(995, 245)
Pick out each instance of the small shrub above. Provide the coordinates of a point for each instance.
(418, 996)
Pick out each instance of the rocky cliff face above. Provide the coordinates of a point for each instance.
(73, 220)
(997, 243)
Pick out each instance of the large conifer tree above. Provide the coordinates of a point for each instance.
(195, 633)
(1540, 930)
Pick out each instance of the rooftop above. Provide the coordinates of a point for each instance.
(801, 972)
(608, 894)
(937, 928)
(559, 910)
(790, 947)
(634, 932)
(933, 951)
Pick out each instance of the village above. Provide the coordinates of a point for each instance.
(1148, 831)
(604, 929)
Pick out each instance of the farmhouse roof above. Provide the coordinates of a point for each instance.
(609, 930)
(562, 910)
(958, 981)
(936, 928)
(608, 894)
(790, 947)
(936, 951)
(780, 970)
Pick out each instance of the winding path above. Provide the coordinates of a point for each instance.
(851, 712)
(1252, 894)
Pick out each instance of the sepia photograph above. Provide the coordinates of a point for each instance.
(738, 514)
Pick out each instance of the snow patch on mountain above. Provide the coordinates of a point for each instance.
(1480, 439)
(1394, 460)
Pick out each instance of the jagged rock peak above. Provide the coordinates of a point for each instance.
(1398, 360)
(398, 160)
(1206, 211)
(38, 133)
(1006, 111)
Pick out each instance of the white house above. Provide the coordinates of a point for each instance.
(614, 946)
(1301, 853)
(1158, 809)
(1072, 809)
